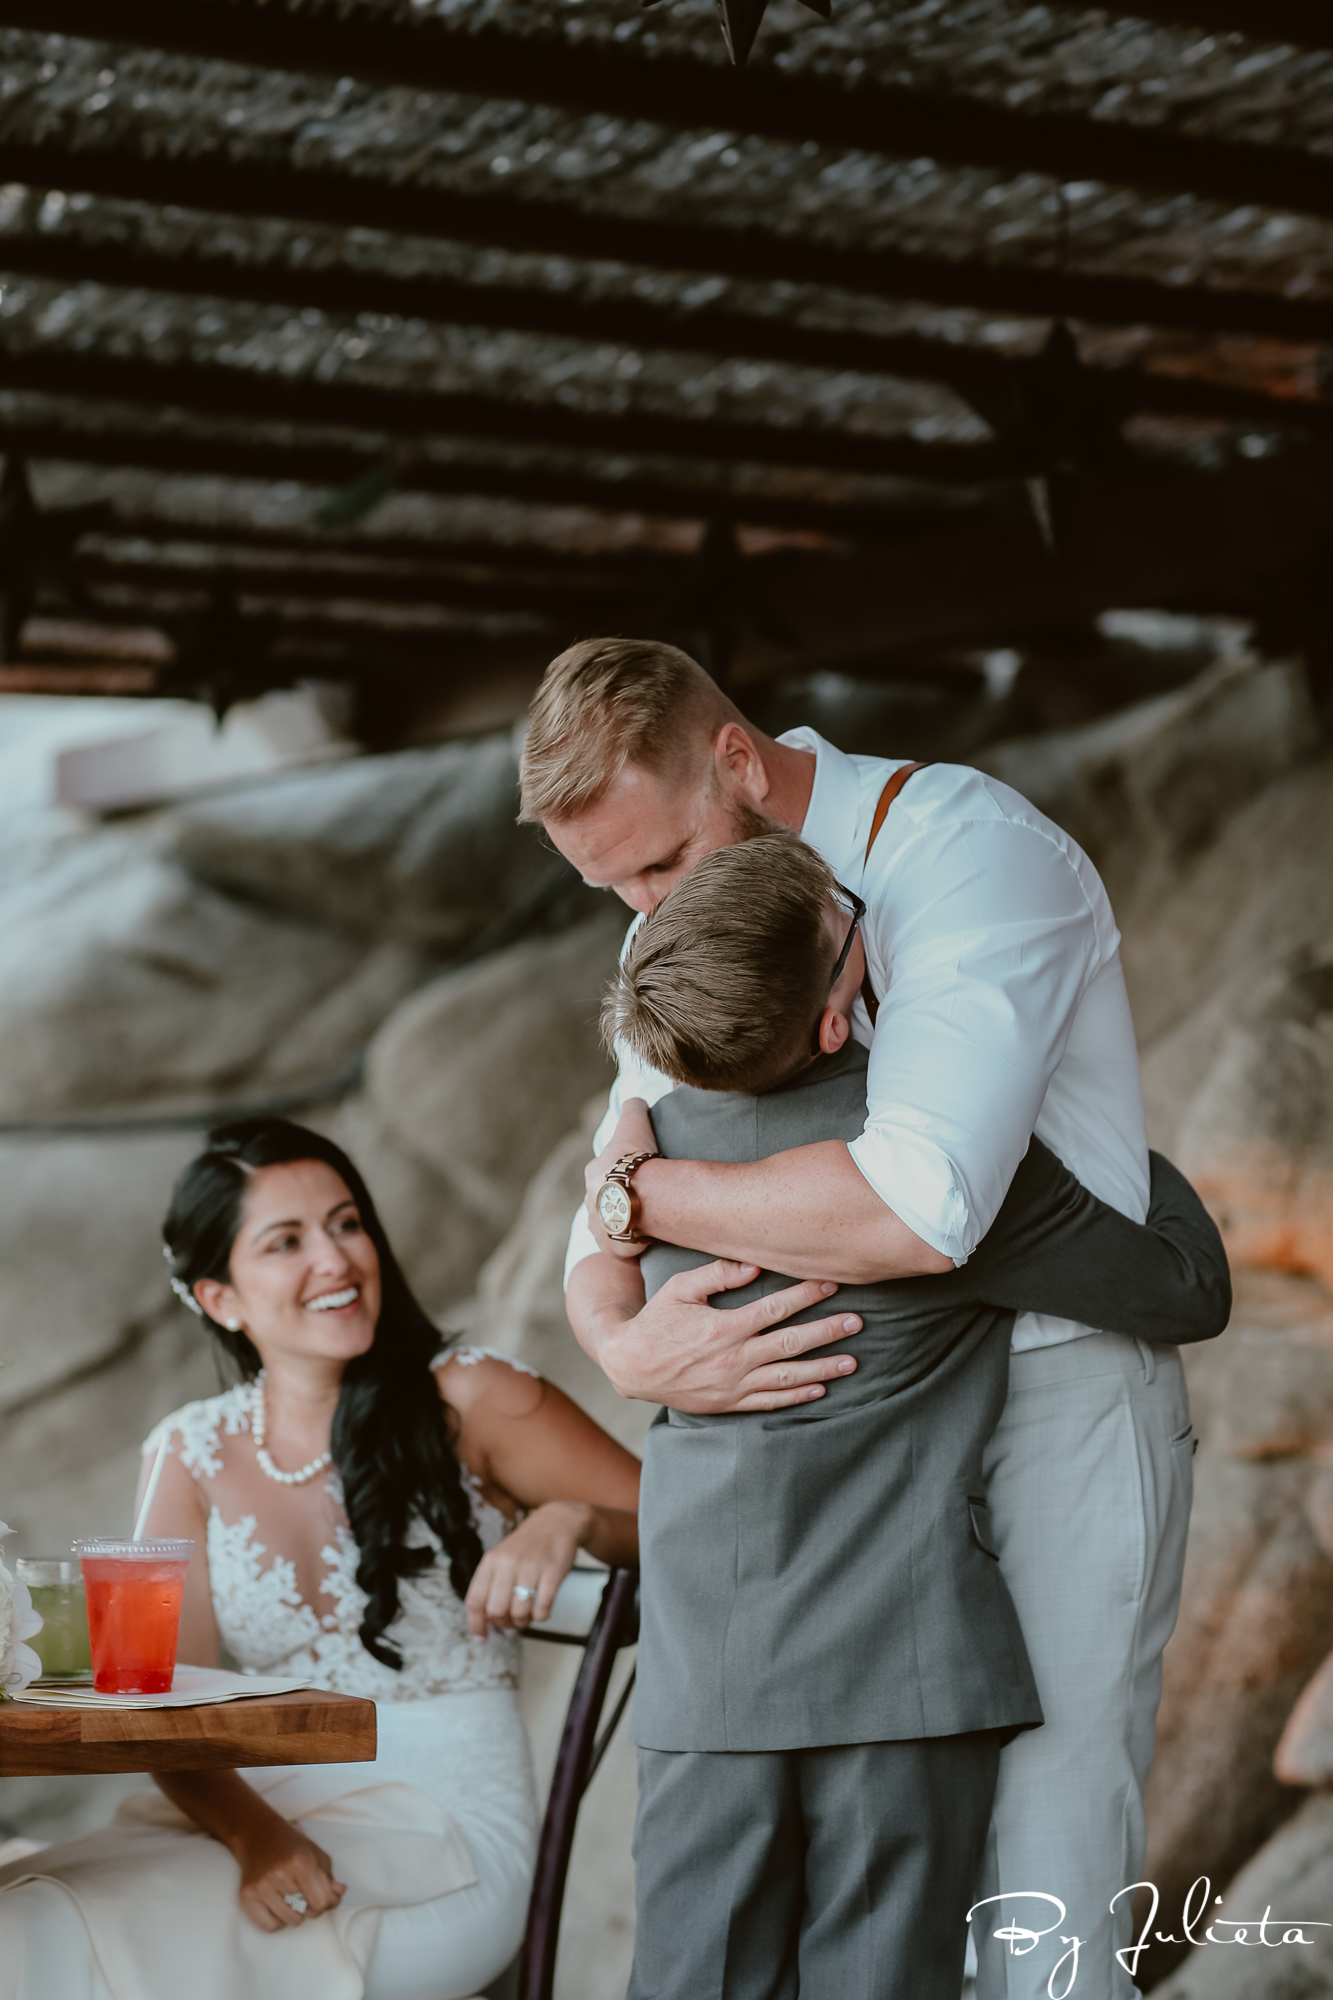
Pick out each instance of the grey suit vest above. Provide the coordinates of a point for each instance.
(824, 1574)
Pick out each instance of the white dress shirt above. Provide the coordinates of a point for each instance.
(990, 941)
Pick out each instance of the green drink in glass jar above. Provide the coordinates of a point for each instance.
(57, 1593)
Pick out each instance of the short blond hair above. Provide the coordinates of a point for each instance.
(606, 703)
(725, 983)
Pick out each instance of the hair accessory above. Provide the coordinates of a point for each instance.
(180, 1288)
(187, 1297)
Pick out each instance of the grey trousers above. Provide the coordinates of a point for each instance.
(842, 1874)
(1089, 1478)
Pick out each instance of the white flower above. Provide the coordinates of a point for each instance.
(18, 1621)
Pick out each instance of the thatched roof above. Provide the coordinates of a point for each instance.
(569, 296)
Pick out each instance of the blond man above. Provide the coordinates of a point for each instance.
(829, 1660)
(990, 963)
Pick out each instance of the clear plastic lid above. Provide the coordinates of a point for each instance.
(122, 1549)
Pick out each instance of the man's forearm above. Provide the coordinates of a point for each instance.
(604, 1292)
(810, 1213)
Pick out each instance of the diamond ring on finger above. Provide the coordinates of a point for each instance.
(296, 1901)
(523, 1592)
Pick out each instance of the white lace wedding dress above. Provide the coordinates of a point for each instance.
(435, 1839)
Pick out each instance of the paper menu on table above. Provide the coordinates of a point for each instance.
(191, 1687)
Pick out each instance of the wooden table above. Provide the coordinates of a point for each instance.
(306, 1728)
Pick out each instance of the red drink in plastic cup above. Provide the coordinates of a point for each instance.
(134, 1606)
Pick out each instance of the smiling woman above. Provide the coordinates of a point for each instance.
(378, 1517)
(274, 1233)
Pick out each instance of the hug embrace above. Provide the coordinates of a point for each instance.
(909, 1565)
(873, 1222)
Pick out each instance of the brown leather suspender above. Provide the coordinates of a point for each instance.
(886, 799)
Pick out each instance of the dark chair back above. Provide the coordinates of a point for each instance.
(581, 1751)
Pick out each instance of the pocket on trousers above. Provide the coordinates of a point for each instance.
(979, 1510)
(1183, 1438)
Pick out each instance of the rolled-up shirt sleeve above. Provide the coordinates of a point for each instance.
(633, 1079)
(582, 1242)
(981, 937)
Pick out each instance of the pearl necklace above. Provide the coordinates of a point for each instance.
(265, 1463)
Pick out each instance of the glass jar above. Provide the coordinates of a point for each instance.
(58, 1598)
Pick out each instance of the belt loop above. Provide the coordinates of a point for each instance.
(1149, 1359)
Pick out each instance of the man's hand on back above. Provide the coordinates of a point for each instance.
(679, 1350)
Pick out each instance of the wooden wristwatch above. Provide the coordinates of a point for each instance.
(617, 1204)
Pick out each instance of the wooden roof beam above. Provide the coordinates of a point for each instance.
(690, 326)
(1305, 24)
(561, 227)
(341, 575)
(348, 620)
(71, 427)
(629, 568)
(147, 507)
(244, 393)
(593, 74)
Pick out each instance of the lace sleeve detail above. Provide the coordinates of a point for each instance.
(468, 1357)
(193, 1432)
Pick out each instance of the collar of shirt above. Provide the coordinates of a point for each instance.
(836, 822)
(837, 825)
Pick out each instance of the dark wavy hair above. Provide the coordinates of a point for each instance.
(391, 1441)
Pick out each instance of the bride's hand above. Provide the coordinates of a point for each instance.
(536, 1557)
(278, 1861)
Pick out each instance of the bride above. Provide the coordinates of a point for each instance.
(380, 1518)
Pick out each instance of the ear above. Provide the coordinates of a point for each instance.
(219, 1301)
(737, 757)
(834, 1029)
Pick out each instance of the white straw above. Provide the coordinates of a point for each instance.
(150, 1490)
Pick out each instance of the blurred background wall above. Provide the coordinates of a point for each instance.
(374, 940)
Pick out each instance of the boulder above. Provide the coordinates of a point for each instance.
(1256, 1617)
(1148, 786)
(127, 983)
(82, 1282)
(446, 1143)
(1291, 1878)
(421, 845)
(250, 944)
(468, 1087)
(519, 1305)
(1231, 980)
(71, 1456)
(1304, 1754)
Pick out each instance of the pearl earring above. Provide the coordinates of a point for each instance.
(232, 1325)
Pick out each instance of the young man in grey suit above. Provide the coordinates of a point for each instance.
(830, 1662)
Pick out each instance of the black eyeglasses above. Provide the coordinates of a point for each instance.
(858, 910)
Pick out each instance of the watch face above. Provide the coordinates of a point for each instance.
(613, 1207)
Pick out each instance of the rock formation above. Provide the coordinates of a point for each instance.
(1211, 815)
(256, 942)
(225, 954)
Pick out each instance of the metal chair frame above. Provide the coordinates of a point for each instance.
(615, 1627)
